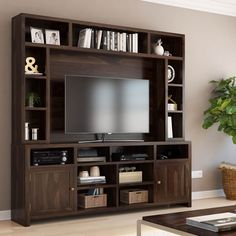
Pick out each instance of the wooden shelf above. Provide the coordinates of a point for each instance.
(56, 61)
(35, 108)
(178, 111)
(175, 85)
(102, 51)
(94, 163)
(89, 186)
(27, 76)
(133, 162)
(144, 183)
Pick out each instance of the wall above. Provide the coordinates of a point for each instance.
(210, 54)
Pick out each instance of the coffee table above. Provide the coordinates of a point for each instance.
(176, 222)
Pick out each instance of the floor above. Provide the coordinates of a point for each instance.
(109, 225)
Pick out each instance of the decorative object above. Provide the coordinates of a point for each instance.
(172, 106)
(94, 171)
(170, 73)
(52, 37)
(167, 53)
(33, 99)
(158, 49)
(26, 131)
(91, 201)
(228, 172)
(36, 35)
(35, 133)
(131, 196)
(170, 128)
(84, 173)
(222, 109)
(130, 177)
(30, 68)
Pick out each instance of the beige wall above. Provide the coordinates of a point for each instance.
(210, 54)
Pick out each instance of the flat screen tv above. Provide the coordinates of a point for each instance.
(100, 105)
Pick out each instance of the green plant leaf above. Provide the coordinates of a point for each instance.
(222, 107)
(208, 122)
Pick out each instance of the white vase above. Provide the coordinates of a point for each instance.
(94, 171)
(159, 50)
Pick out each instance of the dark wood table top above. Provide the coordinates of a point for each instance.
(178, 220)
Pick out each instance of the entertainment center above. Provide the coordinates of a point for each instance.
(49, 173)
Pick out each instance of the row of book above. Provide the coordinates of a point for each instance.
(108, 40)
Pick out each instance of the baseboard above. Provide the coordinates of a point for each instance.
(208, 194)
(5, 215)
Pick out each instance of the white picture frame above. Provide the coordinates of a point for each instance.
(37, 35)
(52, 37)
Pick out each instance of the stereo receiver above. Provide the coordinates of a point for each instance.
(49, 157)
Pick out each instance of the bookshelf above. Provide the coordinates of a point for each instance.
(123, 51)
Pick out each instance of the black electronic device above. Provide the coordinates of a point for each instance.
(88, 152)
(103, 105)
(49, 157)
(129, 157)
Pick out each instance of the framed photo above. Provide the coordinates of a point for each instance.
(36, 35)
(52, 37)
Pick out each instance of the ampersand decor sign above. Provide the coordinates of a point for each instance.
(30, 67)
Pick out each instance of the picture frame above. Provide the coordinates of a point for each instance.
(52, 37)
(37, 35)
(171, 73)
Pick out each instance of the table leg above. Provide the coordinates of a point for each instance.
(139, 227)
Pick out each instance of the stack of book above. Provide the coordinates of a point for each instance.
(92, 180)
(214, 222)
(108, 40)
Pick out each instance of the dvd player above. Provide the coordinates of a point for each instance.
(129, 157)
(49, 157)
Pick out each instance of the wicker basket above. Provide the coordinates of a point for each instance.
(229, 181)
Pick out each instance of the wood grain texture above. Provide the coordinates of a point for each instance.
(51, 191)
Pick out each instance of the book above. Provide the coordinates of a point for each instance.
(215, 222)
(92, 180)
(124, 36)
(81, 41)
(85, 38)
(104, 40)
(88, 38)
(170, 128)
(98, 38)
(93, 43)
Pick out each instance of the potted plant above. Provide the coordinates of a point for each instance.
(222, 110)
(33, 99)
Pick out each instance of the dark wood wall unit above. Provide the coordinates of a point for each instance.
(53, 190)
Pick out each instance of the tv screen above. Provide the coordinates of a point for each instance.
(100, 105)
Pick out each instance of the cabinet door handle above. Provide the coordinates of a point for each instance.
(72, 189)
(158, 182)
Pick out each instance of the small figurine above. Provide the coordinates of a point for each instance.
(173, 105)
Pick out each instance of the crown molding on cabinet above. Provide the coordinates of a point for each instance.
(223, 7)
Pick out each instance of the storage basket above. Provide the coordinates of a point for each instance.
(229, 180)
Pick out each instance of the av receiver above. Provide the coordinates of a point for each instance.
(48, 157)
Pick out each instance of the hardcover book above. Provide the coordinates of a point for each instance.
(214, 222)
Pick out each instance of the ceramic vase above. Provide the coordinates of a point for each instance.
(159, 50)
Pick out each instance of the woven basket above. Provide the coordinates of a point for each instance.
(229, 182)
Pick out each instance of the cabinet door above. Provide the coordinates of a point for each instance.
(52, 190)
(173, 181)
